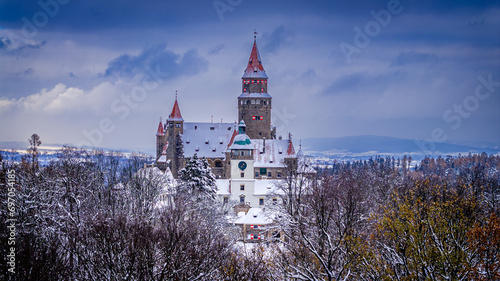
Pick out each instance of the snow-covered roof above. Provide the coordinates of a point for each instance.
(241, 141)
(254, 216)
(274, 154)
(255, 95)
(208, 140)
(223, 186)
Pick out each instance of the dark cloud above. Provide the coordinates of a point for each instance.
(414, 57)
(349, 83)
(157, 57)
(278, 38)
(15, 47)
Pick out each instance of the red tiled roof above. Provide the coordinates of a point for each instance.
(176, 112)
(235, 133)
(160, 131)
(290, 150)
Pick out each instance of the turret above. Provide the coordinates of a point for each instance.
(254, 103)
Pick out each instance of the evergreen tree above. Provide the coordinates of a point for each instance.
(197, 178)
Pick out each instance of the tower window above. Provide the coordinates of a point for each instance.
(242, 174)
(261, 201)
(242, 187)
(242, 199)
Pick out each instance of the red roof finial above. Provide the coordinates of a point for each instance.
(176, 112)
(160, 131)
(291, 150)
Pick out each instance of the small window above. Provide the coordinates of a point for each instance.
(242, 199)
(242, 175)
(261, 201)
(279, 174)
(263, 171)
(226, 199)
(229, 128)
(212, 128)
(275, 201)
(256, 174)
(242, 187)
(218, 164)
(196, 127)
(269, 174)
(177, 125)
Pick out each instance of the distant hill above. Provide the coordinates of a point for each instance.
(357, 147)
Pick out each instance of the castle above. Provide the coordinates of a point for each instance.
(247, 158)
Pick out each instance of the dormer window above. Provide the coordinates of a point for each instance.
(206, 141)
(188, 141)
(213, 149)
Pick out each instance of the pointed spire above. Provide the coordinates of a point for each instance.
(291, 150)
(176, 112)
(254, 67)
(160, 131)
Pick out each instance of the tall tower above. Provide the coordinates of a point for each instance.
(254, 103)
(175, 128)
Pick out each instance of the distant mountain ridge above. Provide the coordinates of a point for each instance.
(368, 145)
(345, 148)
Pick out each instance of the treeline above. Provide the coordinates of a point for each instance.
(96, 216)
(382, 219)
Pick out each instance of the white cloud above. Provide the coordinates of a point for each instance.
(6, 104)
(63, 99)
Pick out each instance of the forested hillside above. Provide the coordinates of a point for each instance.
(85, 216)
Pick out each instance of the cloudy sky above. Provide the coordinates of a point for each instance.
(104, 72)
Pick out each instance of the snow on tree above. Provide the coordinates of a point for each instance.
(197, 178)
